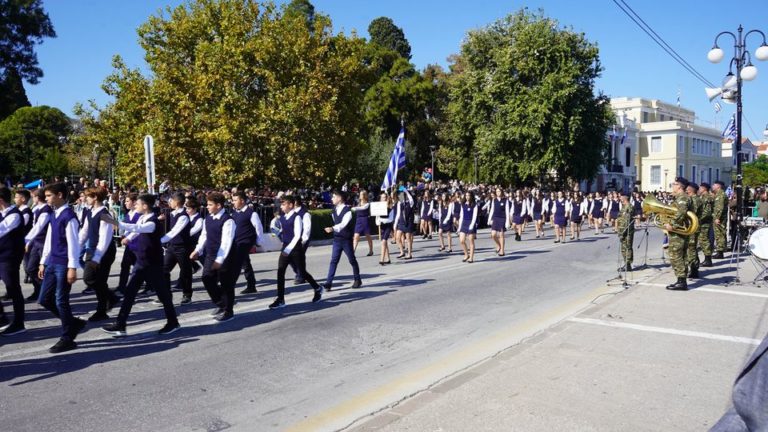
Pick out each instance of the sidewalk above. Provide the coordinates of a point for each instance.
(642, 359)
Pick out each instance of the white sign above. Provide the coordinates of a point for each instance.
(149, 162)
(379, 208)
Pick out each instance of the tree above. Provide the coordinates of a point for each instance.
(524, 101)
(756, 172)
(29, 134)
(386, 34)
(23, 24)
(304, 9)
(12, 94)
(238, 92)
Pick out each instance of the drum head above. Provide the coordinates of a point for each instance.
(758, 243)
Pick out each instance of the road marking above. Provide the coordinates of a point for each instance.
(713, 290)
(652, 329)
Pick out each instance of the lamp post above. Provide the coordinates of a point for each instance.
(476, 182)
(432, 149)
(666, 185)
(744, 71)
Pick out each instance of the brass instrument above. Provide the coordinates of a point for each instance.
(661, 214)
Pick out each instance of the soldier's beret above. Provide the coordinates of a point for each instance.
(683, 181)
(693, 185)
(705, 185)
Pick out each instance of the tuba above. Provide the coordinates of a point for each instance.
(661, 214)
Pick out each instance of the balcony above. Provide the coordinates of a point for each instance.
(615, 168)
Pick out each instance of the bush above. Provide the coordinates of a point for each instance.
(321, 219)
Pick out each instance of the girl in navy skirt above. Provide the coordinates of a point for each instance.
(576, 211)
(468, 226)
(537, 210)
(498, 218)
(385, 227)
(615, 207)
(445, 221)
(518, 211)
(404, 218)
(458, 199)
(596, 210)
(362, 228)
(425, 213)
(560, 217)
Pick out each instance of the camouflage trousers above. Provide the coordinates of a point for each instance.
(677, 249)
(720, 237)
(626, 241)
(704, 243)
(692, 251)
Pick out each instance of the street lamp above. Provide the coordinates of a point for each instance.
(666, 185)
(745, 71)
(476, 155)
(432, 149)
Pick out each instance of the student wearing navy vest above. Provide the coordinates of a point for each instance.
(596, 210)
(404, 223)
(385, 228)
(34, 241)
(131, 216)
(342, 239)
(560, 216)
(59, 264)
(148, 268)
(427, 208)
(219, 270)
(498, 219)
(21, 198)
(248, 229)
(178, 247)
(306, 231)
(290, 232)
(468, 226)
(96, 240)
(11, 256)
(362, 227)
(192, 207)
(444, 221)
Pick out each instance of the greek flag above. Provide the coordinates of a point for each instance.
(623, 137)
(396, 162)
(730, 129)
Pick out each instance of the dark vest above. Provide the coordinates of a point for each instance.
(499, 208)
(560, 207)
(194, 238)
(58, 227)
(149, 250)
(12, 244)
(519, 207)
(576, 210)
(245, 233)
(30, 220)
(182, 239)
(39, 239)
(93, 232)
(213, 230)
(286, 226)
(346, 232)
(131, 220)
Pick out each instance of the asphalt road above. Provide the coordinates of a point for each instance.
(307, 366)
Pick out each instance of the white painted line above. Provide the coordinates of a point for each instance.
(713, 290)
(712, 336)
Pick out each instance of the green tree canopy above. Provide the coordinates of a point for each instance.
(756, 172)
(523, 99)
(304, 9)
(29, 135)
(23, 24)
(385, 33)
(12, 94)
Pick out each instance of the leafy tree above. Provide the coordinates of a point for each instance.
(756, 172)
(302, 8)
(28, 134)
(23, 24)
(386, 34)
(12, 94)
(524, 99)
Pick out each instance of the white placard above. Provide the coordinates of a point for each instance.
(379, 208)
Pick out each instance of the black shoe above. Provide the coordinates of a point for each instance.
(186, 299)
(27, 279)
(13, 329)
(33, 297)
(116, 330)
(357, 283)
(718, 255)
(98, 316)
(371, 253)
(627, 267)
(277, 304)
(226, 316)
(87, 290)
(681, 285)
(299, 281)
(517, 237)
(146, 292)
(318, 295)
(169, 328)
(249, 290)
(111, 302)
(6, 297)
(694, 273)
(4, 321)
(62, 345)
(195, 267)
(218, 311)
(327, 287)
(77, 327)
(707, 261)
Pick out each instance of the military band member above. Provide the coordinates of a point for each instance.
(705, 223)
(678, 243)
(625, 228)
(719, 217)
(692, 253)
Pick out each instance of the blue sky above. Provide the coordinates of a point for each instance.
(90, 32)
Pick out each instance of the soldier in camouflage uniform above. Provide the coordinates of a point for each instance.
(678, 244)
(720, 218)
(692, 253)
(705, 223)
(625, 228)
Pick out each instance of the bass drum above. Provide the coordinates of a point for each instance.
(758, 243)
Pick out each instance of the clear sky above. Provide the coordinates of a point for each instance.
(90, 32)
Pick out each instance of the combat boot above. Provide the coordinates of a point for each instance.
(718, 255)
(681, 285)
(626, 267)
(694, 273)
(707, 261)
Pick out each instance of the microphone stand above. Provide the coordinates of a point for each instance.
(623, 275)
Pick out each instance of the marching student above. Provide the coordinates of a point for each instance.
(96, 241)
(290, 232)
(445, 221)
(614, 208)
(306, 232)
(12, 228)
(34, 240)
(385, 226)
(219, 272)
(456, 211)
(147, 269)
(248, 230)
(21, 198)
(131, 216)
(404, 221)
(192, 207)
(427, 208)
(498, 218)
(59, 264)
(178, 248)
(596, 211)
(538, 213)
(362, 213)
(468, 226)
(518, 210)
(342, 239)
(576, 210)
(559, 217)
